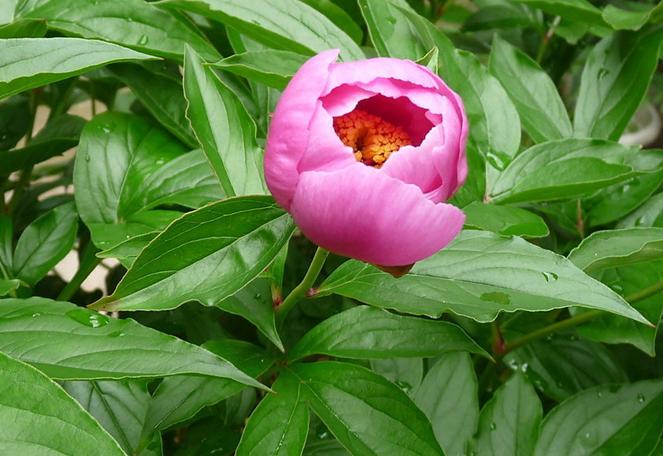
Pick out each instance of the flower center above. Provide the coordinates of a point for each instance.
(372, 138)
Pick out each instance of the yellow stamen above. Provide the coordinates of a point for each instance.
(372, 138)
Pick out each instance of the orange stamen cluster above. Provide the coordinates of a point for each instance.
(372, 138)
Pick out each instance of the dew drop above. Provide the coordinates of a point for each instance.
(641, 398)
(35, 315)
(550, 276)
(498, 160)
(88, 318)
(143, 40)
(87, 157)
(603, 72)
(405, 386)
(106, 130)
(493, 426)
(159, 162)
(130, 19)
(599, 394)
(257, 296)
(524, 367)
(391, 19)
(641, 220)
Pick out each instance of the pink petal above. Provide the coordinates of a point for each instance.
(362, 213)
(288, 133)
(363, 71)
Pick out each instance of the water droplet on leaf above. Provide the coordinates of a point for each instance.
(143, 40)
(496, 297)
(88, 318)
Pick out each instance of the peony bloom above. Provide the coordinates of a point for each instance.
(363, 155)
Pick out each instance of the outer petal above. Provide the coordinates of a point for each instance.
(362, 213)
(363, 71)
(289, 130)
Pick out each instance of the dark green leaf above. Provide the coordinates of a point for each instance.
(120, 407)
(564, 169)
(337, 14)
(623, 420)
(32, 62)
(604, 249)
(630, 280)
(271, 67)
(278, 426)
(563, 365)
(479, 275)
(614, 81)
(59, 135)
(615, 202)
(535, 96)
(367, 333)
(580, 10)
(135, 24)
(38, 417)
(502, 15)
(509, 422)
(14, 121)
(254, 302)
(367, 414)
(181, 397)
(448, 397)
(206, 255)
(649, 214)
(27, 28)
(505, 220)
(631, 15)
(6, 245)
(224, 129)
(286, 24)
(44, 243)
(125, 167)
(161, 95)
(391, 33)
(73, 343)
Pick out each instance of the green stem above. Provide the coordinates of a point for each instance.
(545, 39)
(579, 319)
(88, 262)
(305, 285)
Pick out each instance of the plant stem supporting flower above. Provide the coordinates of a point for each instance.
(305, 285)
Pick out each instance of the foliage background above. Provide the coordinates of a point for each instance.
(534, 333)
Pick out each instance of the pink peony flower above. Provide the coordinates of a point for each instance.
(363, 155)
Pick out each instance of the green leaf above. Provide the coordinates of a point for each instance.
(649, 214)
(287, 24)
(563, 365)
(478, 276)
(614, 81)
(271, 67)
(367, 333)
(14, 120)
(502, 15)
(27, 28)
(32, 62)
(206, 255)
(254, 302)
(73, 343)
(631, 15)
(135, 24)
(125, 167)
(6, 245)
(610, 248)
(535, 96)
(60, 134)
(577, 10)
(8, 285)
(390, 31)
(162, 95)
(38, 417)
(279, 425)
(44, 243)
(622, 420)
(630, 280)
(120, 407)
(564, 169)
(509, 422)
(494, 119)
(448, 397)
(505, 220)
(366, 413)
(224, 129)
(406, 373)
(181, 397)
(615, 202)
(336, 14)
